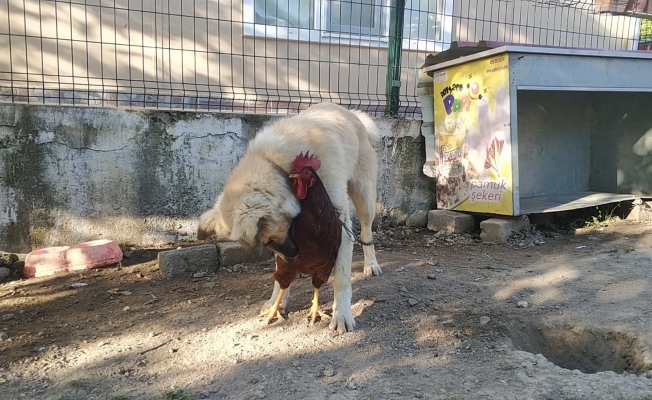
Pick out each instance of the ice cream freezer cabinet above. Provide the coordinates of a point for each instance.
(523, 130)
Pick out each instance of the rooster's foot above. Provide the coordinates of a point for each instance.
(315, 313)
(272, 314)
(274, 311)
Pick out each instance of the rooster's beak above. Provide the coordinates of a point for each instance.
(292, 176)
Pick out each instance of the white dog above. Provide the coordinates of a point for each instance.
(257, 205)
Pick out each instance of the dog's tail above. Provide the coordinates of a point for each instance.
(370, 126)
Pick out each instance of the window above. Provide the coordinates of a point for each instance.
(427, 23)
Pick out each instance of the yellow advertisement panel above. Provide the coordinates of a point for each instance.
(472, 137)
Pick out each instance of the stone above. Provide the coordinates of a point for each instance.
(448, 322)
(522, 304)
(8, 317)
(233, 253)
(413, 302)
(450, 221)
(484, 320)
(188, 260)
(418, 219)
(642, 211)
(6, 259)
(499, 230)
(3, 336)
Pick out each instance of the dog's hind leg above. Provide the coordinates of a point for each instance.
(363, 195)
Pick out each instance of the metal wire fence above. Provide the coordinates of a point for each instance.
(267, 56)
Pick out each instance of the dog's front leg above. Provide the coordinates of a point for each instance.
(342, 316)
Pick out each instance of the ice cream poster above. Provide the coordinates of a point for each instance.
(472, 137)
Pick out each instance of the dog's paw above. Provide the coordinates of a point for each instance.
(372, 269)
(342, 322)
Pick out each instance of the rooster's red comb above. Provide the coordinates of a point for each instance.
(307, 160)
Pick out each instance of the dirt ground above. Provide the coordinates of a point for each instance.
(446, 320)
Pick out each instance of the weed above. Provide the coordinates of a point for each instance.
(176, 394)
(77, 384)
(603, 218)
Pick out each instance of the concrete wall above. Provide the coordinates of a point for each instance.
(73, 174)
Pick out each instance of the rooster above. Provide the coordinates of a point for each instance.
(317, 234)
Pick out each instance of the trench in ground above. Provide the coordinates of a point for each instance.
(588, 349)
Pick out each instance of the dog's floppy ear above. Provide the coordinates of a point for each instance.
(210, 223)
(246, 230)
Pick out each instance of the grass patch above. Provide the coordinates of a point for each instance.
(77, 384)
(176, 394)
(601, 218)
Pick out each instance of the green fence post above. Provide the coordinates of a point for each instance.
(395, 50)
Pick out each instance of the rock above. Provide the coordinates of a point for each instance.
(232, 253)
(450, 221)
(522, 304)
(484, 320)
(413, 302)
(432, 276)
(8, 317)
(396, 217)
(127, 308)
(199, 275)
(6, 259)
(328, 372)
(152, 334)
(18, 268)
(4, 273)
(448, 322)
(260, 394)
(3, 336)
(418, 219)
(499, 230)
(182, 262)
(648, 375)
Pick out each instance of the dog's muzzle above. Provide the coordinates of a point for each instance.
(288, 249)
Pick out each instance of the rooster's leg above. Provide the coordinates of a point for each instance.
(314, 310)
(273, 311)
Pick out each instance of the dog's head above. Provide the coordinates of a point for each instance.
(258, 223)
(255, 212)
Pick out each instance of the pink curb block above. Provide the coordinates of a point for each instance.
(87, 255)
